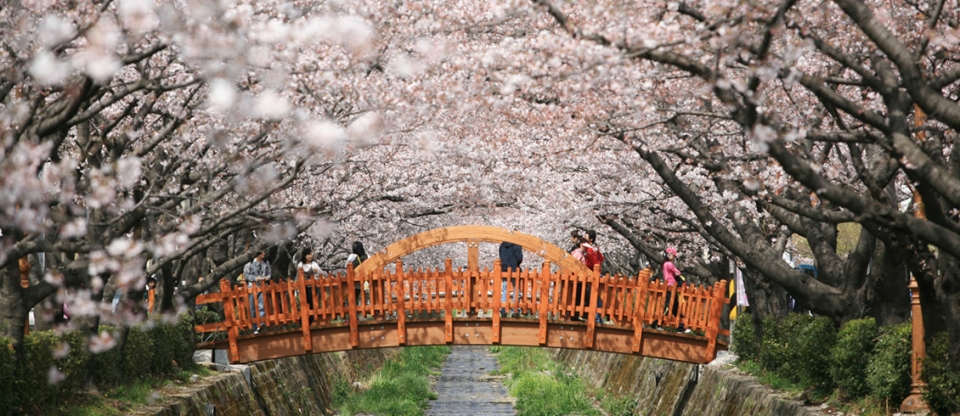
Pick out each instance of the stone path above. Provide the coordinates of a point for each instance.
(464, 388)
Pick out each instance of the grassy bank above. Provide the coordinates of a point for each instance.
(121, 400)
(544, 387)
(401, 387)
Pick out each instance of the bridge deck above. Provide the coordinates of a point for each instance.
(348, 311)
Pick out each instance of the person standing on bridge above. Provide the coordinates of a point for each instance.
(255, 273)
(671, 275)
(359, 255)
(511, 255)
(592, 257)
(311, 270)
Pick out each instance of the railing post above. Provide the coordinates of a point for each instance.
(473, 255)
(352, 306)
(229, 297)
(151, 298)
(914, 402)
(448, 300)
(713, 324)
(305, 311)
(497, 292)
(639, 309)
(592, 315)
(544, 279)
(401, 305)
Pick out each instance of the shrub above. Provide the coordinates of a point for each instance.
(888, 370)
(172, 343)
(809, 364)
(850, 356)
(106, 364)
(163, 338)
(137, 354)
(942, 375)
(186, 339)
(45, 357)
(746, 343)
(772, 354)
(798, 347)
(7, 355)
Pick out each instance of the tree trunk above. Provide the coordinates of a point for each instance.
(948, 300)
(167, 287)
(766, 298)
(885, 294)
(13, 315)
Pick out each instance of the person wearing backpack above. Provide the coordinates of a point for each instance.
(511, 255)
(358, 256)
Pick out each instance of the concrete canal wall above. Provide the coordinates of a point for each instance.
(300, 385)
(672, 388)
(304, 385)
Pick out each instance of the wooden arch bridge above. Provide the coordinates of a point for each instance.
(372, 307)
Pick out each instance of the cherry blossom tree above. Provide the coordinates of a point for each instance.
(176, 138)
(817, 114)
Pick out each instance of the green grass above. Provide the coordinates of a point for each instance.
(401, 387)
(541, 386)
(119, 400)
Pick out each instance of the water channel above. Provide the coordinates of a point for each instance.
(464, 386)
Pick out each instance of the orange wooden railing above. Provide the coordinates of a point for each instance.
(449, 294)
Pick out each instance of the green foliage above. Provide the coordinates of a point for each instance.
(7, 376)
(888, 370)
(518, 360)
(851, 354)
(164, 342)
(542, 388)
(50, 356)
(942, 374)
(746, 343)
(798, 347)
(773, 353)
(106, 364)
(401, 387)
(618, 406)
(151, 349)
(137, 354)
(540, 394)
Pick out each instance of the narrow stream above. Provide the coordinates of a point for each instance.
(464, 388)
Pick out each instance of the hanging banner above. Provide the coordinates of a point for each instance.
(741, 290)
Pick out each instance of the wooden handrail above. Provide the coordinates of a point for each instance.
(400, 297)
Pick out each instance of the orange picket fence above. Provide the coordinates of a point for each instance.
(448, 295)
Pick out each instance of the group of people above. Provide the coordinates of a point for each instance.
(258, 271)
(585, 249)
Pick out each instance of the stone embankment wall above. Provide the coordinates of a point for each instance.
(672, 388)
(299, 385)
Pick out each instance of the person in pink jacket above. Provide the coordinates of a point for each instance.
(671, 275)
(670, 270)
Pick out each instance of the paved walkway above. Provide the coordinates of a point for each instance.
(465, 389)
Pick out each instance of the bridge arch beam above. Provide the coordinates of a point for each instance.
(470, 233)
